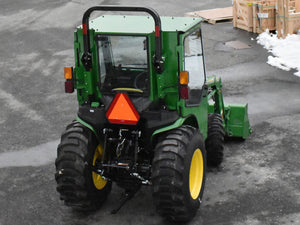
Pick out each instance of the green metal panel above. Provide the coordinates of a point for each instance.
(200, 112)
(177, 123)
(167, 82)
(88, 126)
(237, 120)
(85, 81)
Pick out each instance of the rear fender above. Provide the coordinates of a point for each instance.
(87, 125)
(191, 120)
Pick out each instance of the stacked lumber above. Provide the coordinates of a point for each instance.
(259, 15)
(288, 17)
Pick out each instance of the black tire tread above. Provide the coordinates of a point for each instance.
(167, 175)
(214, 143)
(73, 172)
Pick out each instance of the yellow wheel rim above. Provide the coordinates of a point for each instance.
(196, 174)
(99, 182)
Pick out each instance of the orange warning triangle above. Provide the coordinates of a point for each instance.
(122, 110)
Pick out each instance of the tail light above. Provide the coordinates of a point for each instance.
(184, 92)
(69, 87)
(69, 84)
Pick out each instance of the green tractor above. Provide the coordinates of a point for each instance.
(148, 115)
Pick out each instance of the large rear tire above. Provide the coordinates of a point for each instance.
(78, 185)
(215, 140)
(178, 174)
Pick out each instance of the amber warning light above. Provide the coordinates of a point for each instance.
(69, 85)
(122, 111)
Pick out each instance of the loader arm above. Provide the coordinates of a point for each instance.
(235, 116)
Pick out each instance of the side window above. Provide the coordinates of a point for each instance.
(194, 64)
(101, 62)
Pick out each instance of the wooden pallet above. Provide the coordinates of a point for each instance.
(214, 16)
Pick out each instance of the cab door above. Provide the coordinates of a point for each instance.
(193, 63)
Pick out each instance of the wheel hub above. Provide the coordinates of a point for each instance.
(196, 174)
(98, 180)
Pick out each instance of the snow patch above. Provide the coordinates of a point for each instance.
(277, 62)
(285, 51)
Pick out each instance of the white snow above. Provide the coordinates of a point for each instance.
(286, 52)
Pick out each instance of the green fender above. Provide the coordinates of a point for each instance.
(179, 122)
(88, 126)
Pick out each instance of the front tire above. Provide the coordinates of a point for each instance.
(215, 140)
(78, 185)
(178, 174)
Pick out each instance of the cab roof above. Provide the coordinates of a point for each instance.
(140, 24)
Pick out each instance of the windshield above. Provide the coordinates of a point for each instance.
(123, 62)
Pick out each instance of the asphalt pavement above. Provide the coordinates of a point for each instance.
(258, 183)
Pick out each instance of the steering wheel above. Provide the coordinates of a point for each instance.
(137, 80)
(128, 89)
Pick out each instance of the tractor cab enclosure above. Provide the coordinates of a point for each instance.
(160, 68)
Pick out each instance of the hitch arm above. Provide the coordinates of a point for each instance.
(128, 195)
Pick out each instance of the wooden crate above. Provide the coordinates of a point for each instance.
(288, 17)
(243, 14)
(292, 23)
(264, 16)
(286, 7)
(280, 26)
(288, 25)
